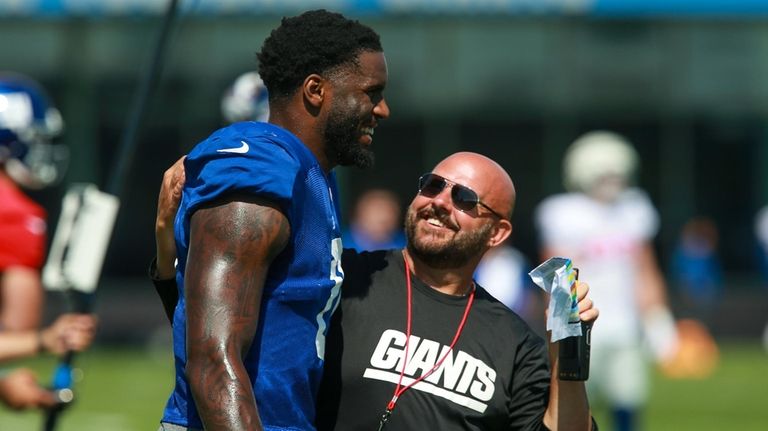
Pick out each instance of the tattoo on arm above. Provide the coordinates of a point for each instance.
(232, 245)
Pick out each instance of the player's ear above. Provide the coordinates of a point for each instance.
(314, 90)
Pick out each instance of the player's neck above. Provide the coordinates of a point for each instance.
(306, 130)
(451, 281)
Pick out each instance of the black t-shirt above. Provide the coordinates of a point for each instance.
(496, 378)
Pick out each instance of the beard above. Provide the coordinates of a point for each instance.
(341, 136)
(452, 253)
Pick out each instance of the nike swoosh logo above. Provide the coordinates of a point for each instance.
(237, 150)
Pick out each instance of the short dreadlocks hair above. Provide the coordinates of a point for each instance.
(313, 42)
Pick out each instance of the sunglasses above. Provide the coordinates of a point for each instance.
(464, 198)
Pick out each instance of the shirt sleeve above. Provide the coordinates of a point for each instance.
(529, 391)
(22, 241)
(227, 163)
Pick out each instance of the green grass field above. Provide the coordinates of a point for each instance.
(735, 397)
(124, 390)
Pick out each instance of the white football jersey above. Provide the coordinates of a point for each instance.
(602, 240)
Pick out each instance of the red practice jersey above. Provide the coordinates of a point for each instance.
(22, 228)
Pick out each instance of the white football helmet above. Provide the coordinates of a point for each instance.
(246, 100)
(600, 163)
(28, 123)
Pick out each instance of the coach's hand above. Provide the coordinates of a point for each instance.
(587, 311)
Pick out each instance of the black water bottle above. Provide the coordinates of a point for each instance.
(573, 355)
(573, 352)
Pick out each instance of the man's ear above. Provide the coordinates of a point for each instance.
(314, 90)
(502, 231)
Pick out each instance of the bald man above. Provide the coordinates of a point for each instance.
(470, 363)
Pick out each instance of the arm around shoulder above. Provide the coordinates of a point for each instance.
(162, 270)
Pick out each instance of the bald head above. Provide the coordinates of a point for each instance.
(486, 177)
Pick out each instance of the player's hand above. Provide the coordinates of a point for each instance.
(70, 332)
(587, 311)
(19, 390)
(167, 205)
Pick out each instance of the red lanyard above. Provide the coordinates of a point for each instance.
(400, 389)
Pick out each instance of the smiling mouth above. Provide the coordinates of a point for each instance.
(435, 222)
(432, 219)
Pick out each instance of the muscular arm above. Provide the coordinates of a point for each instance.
(231, 247)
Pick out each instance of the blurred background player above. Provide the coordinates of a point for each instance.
(503, 272)
(696, 269)
(246, 99)
(606, 227)
(28, 159)
(28, 123)
(377, 222)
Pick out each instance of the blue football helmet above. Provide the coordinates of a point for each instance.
(28, 124)
(246, 99)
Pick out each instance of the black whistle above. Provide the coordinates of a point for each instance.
(384, 419)
(573, 353)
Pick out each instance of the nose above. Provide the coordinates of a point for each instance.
(381, 110)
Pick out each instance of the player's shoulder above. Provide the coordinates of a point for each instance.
(637, 209)
(248, 149)
(636, 198)
(248, 157)
(255, 142)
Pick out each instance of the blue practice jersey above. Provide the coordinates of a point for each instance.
(301, 291)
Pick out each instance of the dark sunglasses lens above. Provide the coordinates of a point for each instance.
(463, 198)
(430, 185)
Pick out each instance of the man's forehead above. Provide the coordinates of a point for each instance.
(460, 173)
(373, 64)
(369, 69)
(466, 169)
